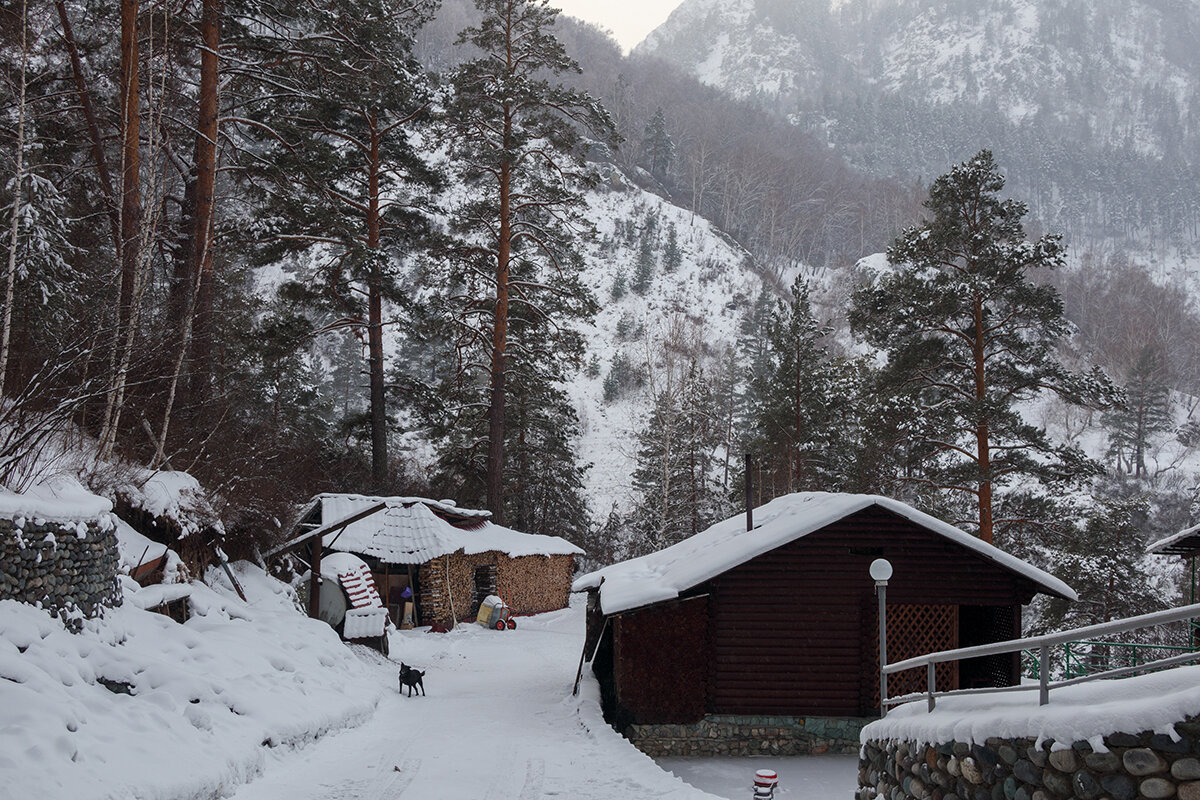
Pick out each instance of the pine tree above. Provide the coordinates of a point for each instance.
(968, 330)
(643, 272)
(341, 175)
(658, 149)
(797, 403)
(679, 494)
(1145, 414)
(1105, 561)
(672, 255)
(618, 285)
(517, 144)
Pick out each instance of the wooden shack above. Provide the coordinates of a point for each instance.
(443, 558)
(781, 620)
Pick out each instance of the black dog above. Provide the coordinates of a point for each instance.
(411, 677)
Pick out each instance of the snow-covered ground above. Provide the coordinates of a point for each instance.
(498, 722)
(800, 777)
(140, 706)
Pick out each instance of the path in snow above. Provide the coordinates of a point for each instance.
(499, 723)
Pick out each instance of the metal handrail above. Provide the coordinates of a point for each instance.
(1042, 645)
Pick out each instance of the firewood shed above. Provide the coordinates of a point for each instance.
(448, 558)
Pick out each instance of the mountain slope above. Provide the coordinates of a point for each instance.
(1094, 108)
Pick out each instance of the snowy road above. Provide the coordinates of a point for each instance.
(499, 723)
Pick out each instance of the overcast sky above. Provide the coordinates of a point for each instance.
(629, 20)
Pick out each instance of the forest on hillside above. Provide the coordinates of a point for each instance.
(342, 246)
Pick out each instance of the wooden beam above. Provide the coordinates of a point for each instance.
(337, 525)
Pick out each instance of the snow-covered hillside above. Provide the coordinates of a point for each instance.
(1024, 58)
(698, 304)
(1092, 108)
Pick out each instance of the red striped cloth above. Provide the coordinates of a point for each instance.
(360, 588)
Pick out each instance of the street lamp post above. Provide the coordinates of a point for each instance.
(881, 571)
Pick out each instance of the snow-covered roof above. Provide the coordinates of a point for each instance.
(514, 543)
(134, 548)
(1183, 543)
(663, 575)
(407, 531)
(447, 508)
(399, 534)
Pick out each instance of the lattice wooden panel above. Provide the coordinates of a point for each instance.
(914, 630)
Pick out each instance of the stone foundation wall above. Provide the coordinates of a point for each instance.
(1147, 766)
(68, 568)
(723, 735)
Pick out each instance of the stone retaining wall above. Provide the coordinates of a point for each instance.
(723, 735)
(68, 568)
(1147, 766)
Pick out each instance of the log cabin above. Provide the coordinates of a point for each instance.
(770, 635)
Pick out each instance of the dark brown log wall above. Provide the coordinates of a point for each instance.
(660, 658)
(789, 628)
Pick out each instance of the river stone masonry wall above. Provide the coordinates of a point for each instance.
(723, 735)
(1146, 766)
(68, 568)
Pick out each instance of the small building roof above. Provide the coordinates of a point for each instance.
(1184, 543)
(408, 531)
(663, 575)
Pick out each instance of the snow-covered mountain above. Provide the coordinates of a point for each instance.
(1093, 108)
(1024, 58)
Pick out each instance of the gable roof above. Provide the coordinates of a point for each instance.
(408, 531)
(662, 576)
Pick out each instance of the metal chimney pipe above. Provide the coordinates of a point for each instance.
(749, 491)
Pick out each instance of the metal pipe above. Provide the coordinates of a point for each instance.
(881, 590)
(931, 684)
(1044, 675)
(749, 491)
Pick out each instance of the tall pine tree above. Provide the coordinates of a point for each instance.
(341, 176)
(970, 332)
(517, 145)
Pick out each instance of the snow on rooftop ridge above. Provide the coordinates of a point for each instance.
(447, 506)
(515, 543)
(60, 499)
(665, 574)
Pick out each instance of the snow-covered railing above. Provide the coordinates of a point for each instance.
(1042, 645)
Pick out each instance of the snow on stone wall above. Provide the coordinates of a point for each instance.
(68, 568)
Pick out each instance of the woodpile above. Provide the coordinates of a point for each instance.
(530, 584)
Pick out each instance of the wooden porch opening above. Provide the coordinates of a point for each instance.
(913, 629)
